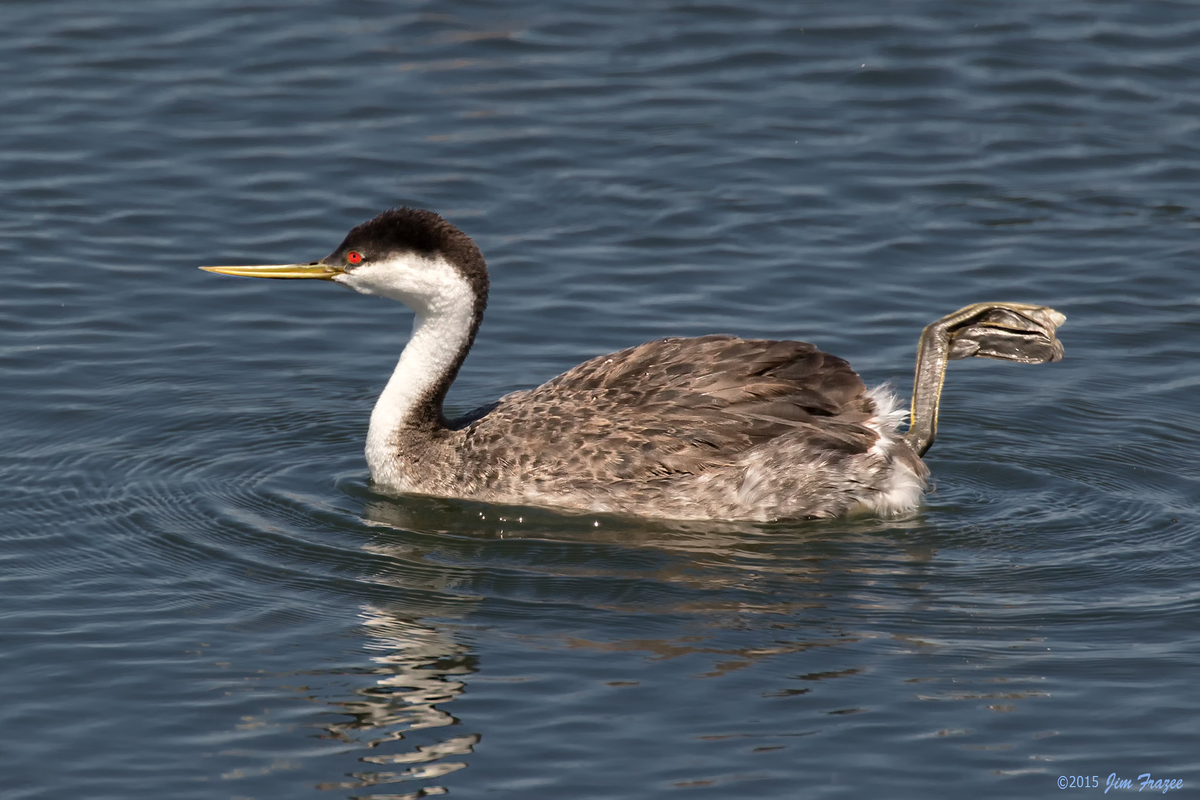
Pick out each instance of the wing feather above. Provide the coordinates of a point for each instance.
(679, 406)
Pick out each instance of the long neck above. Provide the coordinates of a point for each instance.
(408, 413)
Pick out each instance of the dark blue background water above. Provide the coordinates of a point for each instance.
(201, 596)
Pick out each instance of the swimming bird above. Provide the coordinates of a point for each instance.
(714, 427)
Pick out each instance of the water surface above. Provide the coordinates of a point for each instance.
(202, 595)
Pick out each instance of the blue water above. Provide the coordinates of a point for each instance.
(201, 594)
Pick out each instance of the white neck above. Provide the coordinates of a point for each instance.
(431, 353)
(445, 315)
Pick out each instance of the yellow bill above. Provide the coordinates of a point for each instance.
(317, 270)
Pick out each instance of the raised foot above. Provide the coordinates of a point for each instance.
(1006, 331)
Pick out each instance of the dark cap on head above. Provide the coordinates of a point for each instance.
(415, 230)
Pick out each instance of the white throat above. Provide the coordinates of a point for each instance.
(444, 304)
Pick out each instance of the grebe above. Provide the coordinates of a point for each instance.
(713, 427)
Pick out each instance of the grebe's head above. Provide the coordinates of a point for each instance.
(406, 254)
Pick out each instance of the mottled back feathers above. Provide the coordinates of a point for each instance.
(675, 407)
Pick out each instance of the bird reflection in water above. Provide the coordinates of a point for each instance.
(417, 669)
(450, 558)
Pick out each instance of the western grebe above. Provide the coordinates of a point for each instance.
(713, 427)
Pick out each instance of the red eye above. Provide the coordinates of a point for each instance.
(354, 257)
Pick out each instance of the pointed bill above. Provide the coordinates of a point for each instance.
(317, 270)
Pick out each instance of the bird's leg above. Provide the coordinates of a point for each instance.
(1006, 331)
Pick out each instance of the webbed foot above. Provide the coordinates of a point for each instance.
(1006, 331)
(1009, 332)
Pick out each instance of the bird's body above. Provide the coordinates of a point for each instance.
(713, 427)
